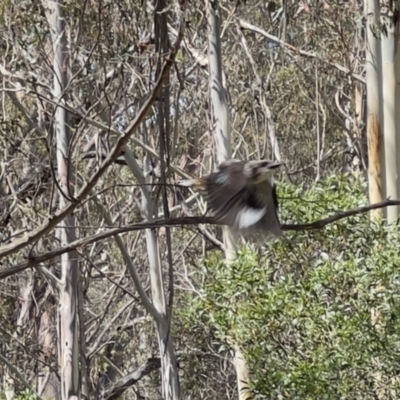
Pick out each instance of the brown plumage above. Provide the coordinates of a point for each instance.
(242, 195)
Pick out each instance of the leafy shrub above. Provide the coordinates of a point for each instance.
(317, 314)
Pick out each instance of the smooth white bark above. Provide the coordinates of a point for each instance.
(158, 308)
(397, 101)
(169, 370)
(389, 116)
(218, 96)
(224, 152)
(374, 102)
(242, 375)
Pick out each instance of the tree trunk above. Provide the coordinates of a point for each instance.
(242, 375)
(220, 105)
(67, 326)
(388, 37)
(397, 106)
(374, 111)
(224, 152)
(169, 367)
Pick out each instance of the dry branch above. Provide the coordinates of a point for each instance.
(33, 260)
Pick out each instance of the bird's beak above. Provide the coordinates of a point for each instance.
(269, 167)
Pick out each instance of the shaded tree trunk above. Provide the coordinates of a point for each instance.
(169, 365)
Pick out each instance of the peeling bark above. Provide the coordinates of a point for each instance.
(374, 160)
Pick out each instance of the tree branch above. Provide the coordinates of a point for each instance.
(52, 221)
(34, 260)
(148, 305)
(129, 380)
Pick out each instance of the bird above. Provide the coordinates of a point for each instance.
(242, 195)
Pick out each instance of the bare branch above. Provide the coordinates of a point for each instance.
(33, 260)
(151, 364)
(131, 268)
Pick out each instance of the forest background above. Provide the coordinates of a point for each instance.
(104, 107)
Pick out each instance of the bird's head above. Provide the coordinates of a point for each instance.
(231, 172)
(260, 171)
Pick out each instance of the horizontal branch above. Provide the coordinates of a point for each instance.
(34, 260)
(340, 215)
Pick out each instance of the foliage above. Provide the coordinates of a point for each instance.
(317, 313)
(27, 395)
(23, 395)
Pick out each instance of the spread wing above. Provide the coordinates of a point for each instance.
(237, 201)
(269, 222)
(225, 190)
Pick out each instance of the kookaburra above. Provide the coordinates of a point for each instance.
(242, 195)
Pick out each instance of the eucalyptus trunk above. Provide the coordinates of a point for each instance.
(67, 318)
(389, 27)
(374, 101)
(224, 152)
(397, 104)
(220, 105)
(169, 365)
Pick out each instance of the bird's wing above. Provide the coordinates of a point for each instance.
(269, 222)
(225, 191)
